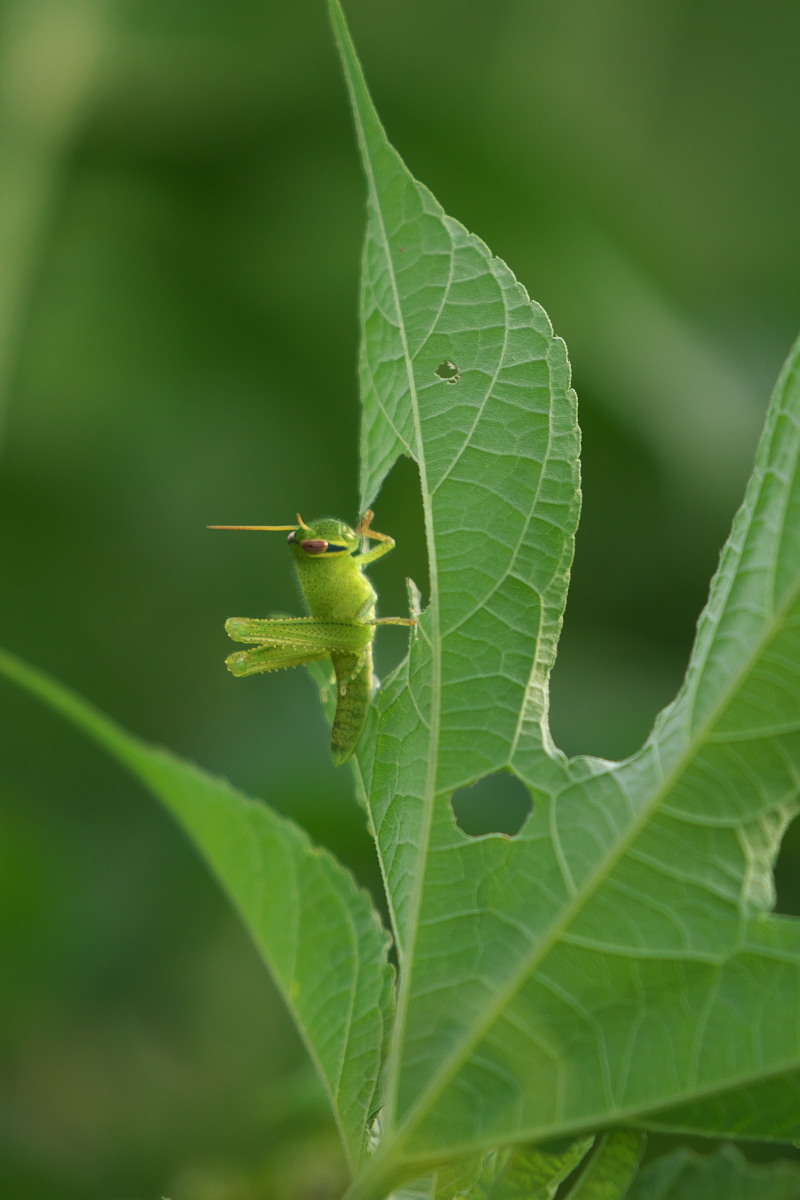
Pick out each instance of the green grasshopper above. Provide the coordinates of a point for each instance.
(341, 601)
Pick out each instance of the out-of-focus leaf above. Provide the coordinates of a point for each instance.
(724, 1175)
(612, 1168)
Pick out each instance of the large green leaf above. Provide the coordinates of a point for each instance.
(317, 932)
(615, 961)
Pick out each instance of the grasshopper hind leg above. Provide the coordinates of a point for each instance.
(270, 658)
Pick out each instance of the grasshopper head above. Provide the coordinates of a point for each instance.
(325, 538)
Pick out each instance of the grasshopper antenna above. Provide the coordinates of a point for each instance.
(263, 528)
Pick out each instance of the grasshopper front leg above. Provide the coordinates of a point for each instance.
(385, 543)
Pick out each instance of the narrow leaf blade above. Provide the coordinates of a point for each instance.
(316, 930)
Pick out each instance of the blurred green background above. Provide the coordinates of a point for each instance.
(180, 219)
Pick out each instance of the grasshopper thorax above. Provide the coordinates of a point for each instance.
(325, 538)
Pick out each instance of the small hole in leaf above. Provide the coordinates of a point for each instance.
(448, 371)
(495, 804)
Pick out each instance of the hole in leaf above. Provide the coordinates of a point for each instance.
(448, 371)
(495, 804)
(398, 511)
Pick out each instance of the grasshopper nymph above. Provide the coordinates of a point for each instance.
(341, 601)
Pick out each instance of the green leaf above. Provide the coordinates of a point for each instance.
(725, 1175)
(612, 1168)
(616, 961)
(523, 1173)
(317, 932)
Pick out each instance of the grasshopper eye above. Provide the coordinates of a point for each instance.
(314, 545)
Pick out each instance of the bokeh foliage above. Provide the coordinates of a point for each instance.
(183, 352)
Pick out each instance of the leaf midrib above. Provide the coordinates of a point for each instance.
(354, 78)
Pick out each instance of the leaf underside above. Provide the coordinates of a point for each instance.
(617, 960)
